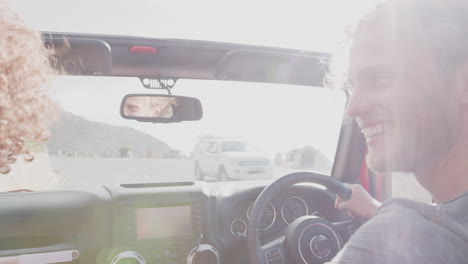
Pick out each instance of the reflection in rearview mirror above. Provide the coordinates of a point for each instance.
(160, 108)
(149, 106)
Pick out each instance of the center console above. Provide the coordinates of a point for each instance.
(157, 228)
(163, 233)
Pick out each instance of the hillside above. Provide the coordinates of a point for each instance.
(75, 136)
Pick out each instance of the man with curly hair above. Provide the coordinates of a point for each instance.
(408, 92)
(25, 107)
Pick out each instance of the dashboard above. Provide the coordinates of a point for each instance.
(283, 210)
(234, 204)
(157, 223)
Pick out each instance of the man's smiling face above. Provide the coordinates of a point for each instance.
(405, 106)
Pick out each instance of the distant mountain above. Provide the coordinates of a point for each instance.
(73, 135)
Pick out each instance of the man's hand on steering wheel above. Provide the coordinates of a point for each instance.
(361, 203)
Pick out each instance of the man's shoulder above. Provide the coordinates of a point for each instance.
(395, 205)
(403, 231)
(447, 214)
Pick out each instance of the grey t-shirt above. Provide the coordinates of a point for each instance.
(404, 231)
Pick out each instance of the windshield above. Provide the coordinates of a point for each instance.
(292, 128)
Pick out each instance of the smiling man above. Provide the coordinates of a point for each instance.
(408, 75)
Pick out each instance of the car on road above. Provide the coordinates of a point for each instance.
(230, 159)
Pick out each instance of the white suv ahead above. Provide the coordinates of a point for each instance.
(230, 159)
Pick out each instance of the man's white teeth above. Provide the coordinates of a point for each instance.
(374, 131)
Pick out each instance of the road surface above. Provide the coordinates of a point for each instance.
(78, 173)
(82, 172)
(86, 173)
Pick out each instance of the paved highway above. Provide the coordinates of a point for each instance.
(79, 173)
(82, 172)
(92, 173)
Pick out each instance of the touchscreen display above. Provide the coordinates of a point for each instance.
(164, 222)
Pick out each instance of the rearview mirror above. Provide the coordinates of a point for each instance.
(160, 108)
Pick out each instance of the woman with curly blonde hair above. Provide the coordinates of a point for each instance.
(25, 107)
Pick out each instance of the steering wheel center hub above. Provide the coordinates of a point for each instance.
(312, 240)
(320, 246)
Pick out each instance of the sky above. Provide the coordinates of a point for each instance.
(275, 117)
(303, 24)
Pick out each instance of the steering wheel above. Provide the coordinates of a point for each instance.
(308, 239)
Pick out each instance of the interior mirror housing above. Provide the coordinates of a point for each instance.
(160, 108)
